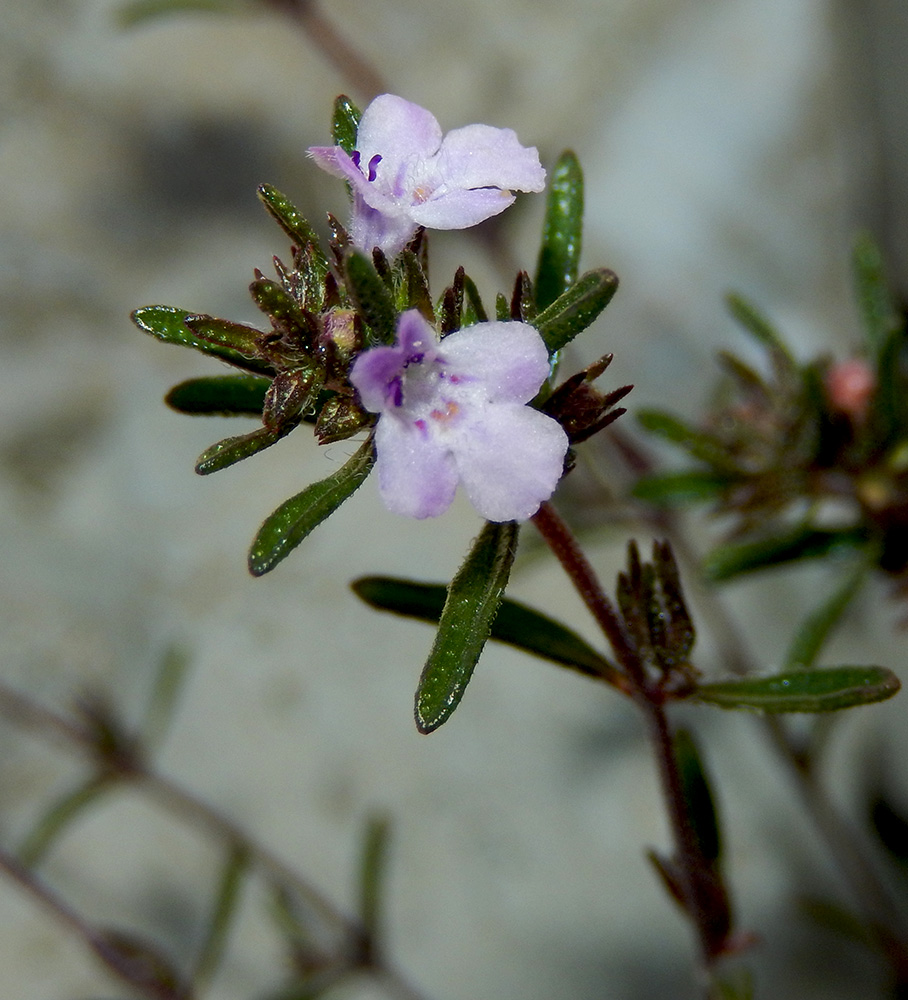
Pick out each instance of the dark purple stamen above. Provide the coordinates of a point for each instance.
(396, 390)
(373, 163)
(355, 156)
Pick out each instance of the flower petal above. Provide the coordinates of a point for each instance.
(478, 156)
(416, 476)
(510, 359)
(510, 460)
(398, 131)
(460, 209)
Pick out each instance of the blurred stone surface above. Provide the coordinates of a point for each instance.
(718, 144)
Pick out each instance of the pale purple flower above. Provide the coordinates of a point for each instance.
(453, 411)
(404, 175)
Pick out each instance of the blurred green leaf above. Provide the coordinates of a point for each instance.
(698, 444)
(372, 298)
(515, 624)
(888, 403)
(698, 795)
(891, 827)
(223, 454)
(760, 328)
(220, 395)
(168, 323)
(676, 488)
(574, 310)
(128, 15)
(165, 693)
(473, 600)
(283, 530)
(874, 298)
(801, 542)
(373, 863)
(51, 824)
(559, 254)
(826, 690)
(819, 624)
(222, 916)
(345, 123)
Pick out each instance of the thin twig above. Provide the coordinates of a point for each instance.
(186, 805)
(351, 64)
(129, 967)
(701, 888)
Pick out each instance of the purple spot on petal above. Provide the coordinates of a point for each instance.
(373, 163)
(396, 390)
(420, 425)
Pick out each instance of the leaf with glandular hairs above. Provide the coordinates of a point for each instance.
(559, 254)
(231, 450)
(297, 517)
(168, 323)
(573, 311)
(345, 123)
(372, 298)
(473, 600)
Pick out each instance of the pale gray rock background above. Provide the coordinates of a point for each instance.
(726, 145)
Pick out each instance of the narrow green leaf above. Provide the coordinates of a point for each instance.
(373, 862)
(574, 310)
(231, 450)
(826, 690)
(516, 624)
(559, 254)
(819, 624)
(220, 395)
(473, 309)
(414, 289)
(759, 327)
(698, 444)
(372, 298)
(283, 530)
(51, 824)
(168, 323)
(345, 123)
(223, 912)
(466, 621)
(294, 224)
(801, 542)
(697, 795)
(874, 298)
(676, 488)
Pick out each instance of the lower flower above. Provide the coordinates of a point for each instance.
(454, 412)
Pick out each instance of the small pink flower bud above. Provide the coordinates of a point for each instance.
(849, 385)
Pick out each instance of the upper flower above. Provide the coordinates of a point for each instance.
(404, 175)
(454, 411)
